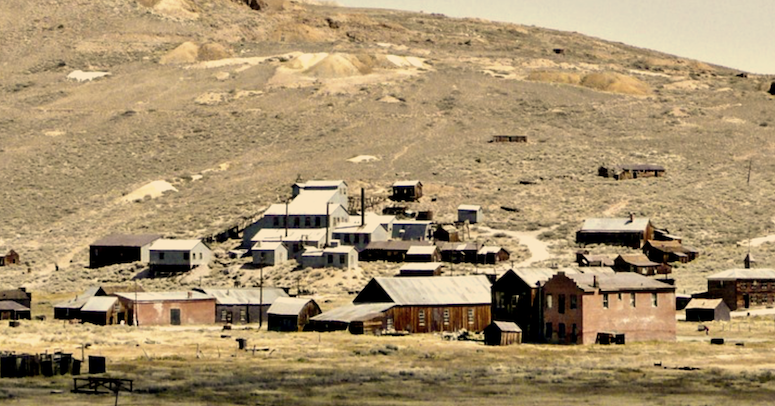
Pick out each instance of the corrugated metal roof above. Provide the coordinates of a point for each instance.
(99, 304)
(736, 274)
(421, 266)
(622, 281)
(309, 202)
(11, 305)
(78, 301)
(244, 296)
(532, 276)
(704, 303)
(321, 183)
(353, 312)
(507, 326)
(459, 246)
(592, 225)
(490, 249)
(430, 290)
(638, 260)
(288, 306)
(162, 296)
(469, 207)
(355, 227)
(174, 245)
(126, 240)
(406, 183)
(422, 250)
(294, 234)
(266, 246)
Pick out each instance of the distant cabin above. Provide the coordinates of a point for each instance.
(420, 253)
(10, 310)
(509, 138)
(243, 306)
(172, 256)
(407, 190)
(446, 233)
(622, 172)
(121, 249)
(269, 253)
(470, 213)
(640, 264)
(8, 257)
(421, 269)
(502, 333)
(627, 231)
(291, 314)
(707, 310)
(584, 258)
(492, 255)
(344, 257)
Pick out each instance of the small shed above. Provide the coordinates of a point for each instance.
(707, 310)
(509, 138)
(10, 310)
(269, 253)
(9, 257)
(407, 190)
(491, 254)
(291, 313)
(446, 232)
(102, 311)
(422, 253)
(469, 212)
(502, 333)
(421, 269)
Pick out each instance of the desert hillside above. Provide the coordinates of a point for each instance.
(184, 117)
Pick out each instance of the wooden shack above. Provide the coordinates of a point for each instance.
(421, 269)
(631, 171)
(291, 313)
(407, 190)
(120, 249)
(471, 213)
(502, 333)
(509, 138)
(9, 257)
(491, 254)
(446, 232)
(707, 310)
(418, 253)
(10, 310)
(627, 231)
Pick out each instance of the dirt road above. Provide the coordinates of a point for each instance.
(539, 250)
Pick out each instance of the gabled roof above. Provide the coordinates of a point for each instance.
(603, 259)
(99, 304)
(353, 312)
(307, 203)
(252, 296)
(622, 281)
(355, 227)
(80, 300)
(490, 249)
(166, 244)
(743, 274)
(421, 266)
(451, 290)
(407, 183)
(11, 305)
(342, 249)
(422, 250)
(126, 240)
(460, 246)
(705, 304)
(673, 246)
(267, 246)
(637, 260)
(14, 294)
(469, 207)
(395, 245)
(162, 296)
(288, 306)
(507, 326)
(608, 225)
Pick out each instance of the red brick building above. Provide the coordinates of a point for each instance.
(578, 307)
(743, 288)
(168, 308)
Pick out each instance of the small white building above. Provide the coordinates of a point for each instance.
(357, 235)
(269, 253)
(168, 255)
(345, 257)
(469, 212)
(296, 240)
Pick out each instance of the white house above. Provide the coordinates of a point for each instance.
(269, 253)
(469, 212)
(345, 257)
(295, 240)
(338, 186)
(358, 235)
(168, 255)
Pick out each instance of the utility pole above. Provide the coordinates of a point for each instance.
(261, 294)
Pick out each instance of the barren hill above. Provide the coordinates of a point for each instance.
(227, 106)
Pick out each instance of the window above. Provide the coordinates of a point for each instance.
(307, 222)
(574, 332)
(548, 331)
(561, 331)
(296, 222)
(605, 300)
(330, 258)
(357, 239)
(654, 302)
(186, 256)
(365, 239)
(574, 302)
(242, 316)
(342, 259)
(549, 301)
(632, 299)
(224, 315)
(561, 304)
(347, 238)
(161, 255)
(276, 221)
(500, 300)
(446, 317)
(421, 317)
(470, 316)
(317, 221)
(620, 296)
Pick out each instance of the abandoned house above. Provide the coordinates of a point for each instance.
(10, 310)
(8, 257)
(579, 306)
(707, 310)
(640, 264)
(391, 251)
(411, 230)
(509, 138)
(269, 253)
(470, 213)
(20, 296)
(628, 231)
(515, 297)
(343, 256)
(633, 171)
(121, 249)
(460, 252)
(173, 256)
(292, 314)
(491, 254)
(167, 308)
(669, 251)
(295, 240)
(102, 311)
(359, 236)
(71, 309)
(421, 269)
(743, 288)
(243, 306)
(447, 233)
(423, 253)
(585, 259)
(338, 186)
(502, 333)
(407, 190)
(430, 304)
(356, 318)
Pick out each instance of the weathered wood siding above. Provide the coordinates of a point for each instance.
(408, 318)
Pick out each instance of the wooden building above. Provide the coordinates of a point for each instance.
(8, 257)
(632, 171)
(411, 230)
(243, 306)
(168, 308)
(343, 257)
(296, 240)
(628, 231)
(585, 259)
(490, 254)
(103, 311)
(509, 138)
(391, 251)
(20, 296)
(579, 306)
(460, 252)
(502, 333)
(269, 253)
(431, 304)
(669, 251)
(640, 264)
(357, 318)
(292, 314)
(121, 249)
(407, 190)
(707, 310)
(470, 213)
(11, 310)
(423, 253)
(743, 288)
(421, 269)
(447, 233)
(173, 256)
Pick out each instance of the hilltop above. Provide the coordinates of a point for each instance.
(224, 107)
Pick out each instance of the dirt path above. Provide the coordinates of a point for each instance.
(539, 250)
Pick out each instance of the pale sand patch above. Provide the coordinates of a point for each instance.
(363, 158)
(389, 99)
(686, 85)
(153, 190)
(250, 61)
(216, 98)
(734, 120)
(82, 76)
(54, 133)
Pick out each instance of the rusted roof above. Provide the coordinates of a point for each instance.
(622, 281)
(288, 306)
(637, 260)
(507, 326)
(126, 240)
(613, 225)
(430, 290)
(164, 296)
(704, 304)
(743, 274)
(244, 296)
(353, 312)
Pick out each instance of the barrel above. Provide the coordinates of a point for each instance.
(96, 364)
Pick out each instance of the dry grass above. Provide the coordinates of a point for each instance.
(615, 83)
